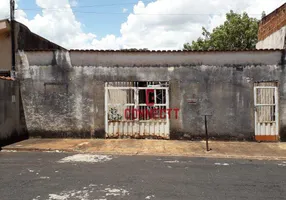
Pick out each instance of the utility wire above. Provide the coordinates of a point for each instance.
(64, 9)
(114, 13)
(89, 6)
(105, 13)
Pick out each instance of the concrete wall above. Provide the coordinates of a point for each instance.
(63, 93)
(86, 58)
(276, 40)
(11, 128)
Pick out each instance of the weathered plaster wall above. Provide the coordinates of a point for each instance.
(10, 120)
(85, 58)
(274, 41)
(63, 94)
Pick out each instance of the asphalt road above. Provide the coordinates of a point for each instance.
(58, 176)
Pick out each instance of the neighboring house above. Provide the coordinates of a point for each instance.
(272, 30)
(5, 48)
(24, 40)
(12, 119)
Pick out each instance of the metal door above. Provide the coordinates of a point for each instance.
(127, 110)
(266, 111)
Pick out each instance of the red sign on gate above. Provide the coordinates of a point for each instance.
(151, 113)
(148, 92)
(156, 113)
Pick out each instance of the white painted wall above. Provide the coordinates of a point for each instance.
(274, 41)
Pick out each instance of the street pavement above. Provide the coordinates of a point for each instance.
(65, 176)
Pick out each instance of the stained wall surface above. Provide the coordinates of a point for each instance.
(63, 92)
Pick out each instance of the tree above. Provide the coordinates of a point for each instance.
(239, 32)
(263, 14)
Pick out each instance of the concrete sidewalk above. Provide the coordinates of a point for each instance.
(245, 150)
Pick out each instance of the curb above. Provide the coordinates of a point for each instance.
(37, 150)
(220, 156)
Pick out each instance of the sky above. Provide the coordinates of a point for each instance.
(121, 24)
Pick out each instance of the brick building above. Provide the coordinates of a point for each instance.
(272, 30)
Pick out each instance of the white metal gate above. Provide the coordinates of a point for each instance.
(137, 110)
(266, 111)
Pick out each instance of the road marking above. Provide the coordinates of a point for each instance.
(85, 193)
(8, 151)
(54, 151)
(222, 164)
(89, 158)
(115, 192)
(37, 198)
(58, 197)
(172, 161)
(150, 197)
(44, 177)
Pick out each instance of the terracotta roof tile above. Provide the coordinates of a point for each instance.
(98, 50)
(155, 51)
(172, 51)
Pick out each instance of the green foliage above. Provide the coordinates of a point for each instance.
(263, 14)
(239, 32)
